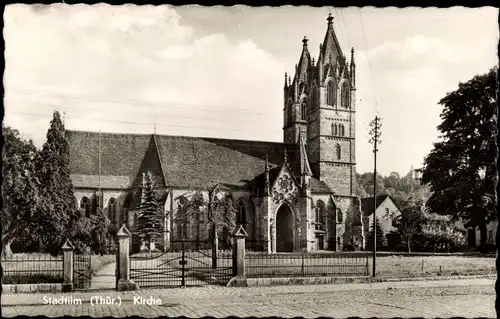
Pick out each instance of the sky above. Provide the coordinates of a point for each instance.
(219, 71)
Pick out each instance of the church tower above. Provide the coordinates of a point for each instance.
(320, 103)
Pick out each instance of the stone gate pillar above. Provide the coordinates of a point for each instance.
(68, 269)
(239, 279)
(123, 266)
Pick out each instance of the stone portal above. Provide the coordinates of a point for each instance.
(284, 229)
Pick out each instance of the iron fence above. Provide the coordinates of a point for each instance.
(82, 271)
(182, 263)
(32, 269)
(303, 264)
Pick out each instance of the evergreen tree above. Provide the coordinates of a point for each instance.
(149, 226)
(20, 190)
(381, 239)
(56, 190)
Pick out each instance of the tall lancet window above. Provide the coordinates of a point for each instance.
(112, 211)
(330, 93)
(345, 95)
(319, 217)
(289, 112)
(303, 110)
(241, 218)
(338, 151)
(342, 130)
(85, 206)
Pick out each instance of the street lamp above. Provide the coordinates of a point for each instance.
(375, 125)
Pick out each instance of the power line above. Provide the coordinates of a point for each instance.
(369, 61)
(176, 105)
(128, 122)
(246, 147)
(134, 113)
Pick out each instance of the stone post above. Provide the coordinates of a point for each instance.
(239, 279)
(124, 282)
(67, 249)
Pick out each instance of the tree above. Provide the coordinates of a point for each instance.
(52, 166)
(149, 226)
(466, 149)
(440, 231)
(216, 207)
(409, 221)
(20, 189)
(381, 239)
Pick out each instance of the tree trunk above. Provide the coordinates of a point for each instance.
(6, 250)
(482, 235)
(408, 243)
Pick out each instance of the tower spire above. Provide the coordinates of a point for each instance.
(330, 19)
(304, 42)
(286, 76)
(353, 69)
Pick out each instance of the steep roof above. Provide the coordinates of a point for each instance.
(367, 204)
(305, 63)
(122, 157)
(331, 44)
(197, 162)
(177, 161)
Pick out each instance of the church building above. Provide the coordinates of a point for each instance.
(292, 196)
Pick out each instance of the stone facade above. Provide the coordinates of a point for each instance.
(297, 195)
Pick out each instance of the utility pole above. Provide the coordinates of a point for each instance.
(376, 125)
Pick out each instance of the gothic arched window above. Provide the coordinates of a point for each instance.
(241, 218)
(339, 216)
(319, 217)
(303, 110)
(289, 112)
(345, 95)
(85, 206)
(314, 98)
(337, 151)
(330, 93)
(112, 210)
(342, 130)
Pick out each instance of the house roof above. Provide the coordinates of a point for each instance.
(367, 204)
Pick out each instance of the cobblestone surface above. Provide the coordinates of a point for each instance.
(464, 298)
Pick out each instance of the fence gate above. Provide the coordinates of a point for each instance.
(82, 271)
(184, 263)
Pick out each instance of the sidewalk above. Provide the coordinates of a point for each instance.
(216, 292)
(451, 298)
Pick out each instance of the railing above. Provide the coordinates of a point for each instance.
(303, 264)
(32, 269)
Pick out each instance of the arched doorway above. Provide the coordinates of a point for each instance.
(284, 229)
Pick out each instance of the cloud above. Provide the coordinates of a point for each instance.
(139, 53)
(415, 50)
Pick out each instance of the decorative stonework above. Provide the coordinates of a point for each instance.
(285, 189)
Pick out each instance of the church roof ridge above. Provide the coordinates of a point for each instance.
(180, 136)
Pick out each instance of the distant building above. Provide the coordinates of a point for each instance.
(473, 235)
(385, 210)
(291, 196)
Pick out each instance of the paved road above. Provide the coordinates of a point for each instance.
(450, 298)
